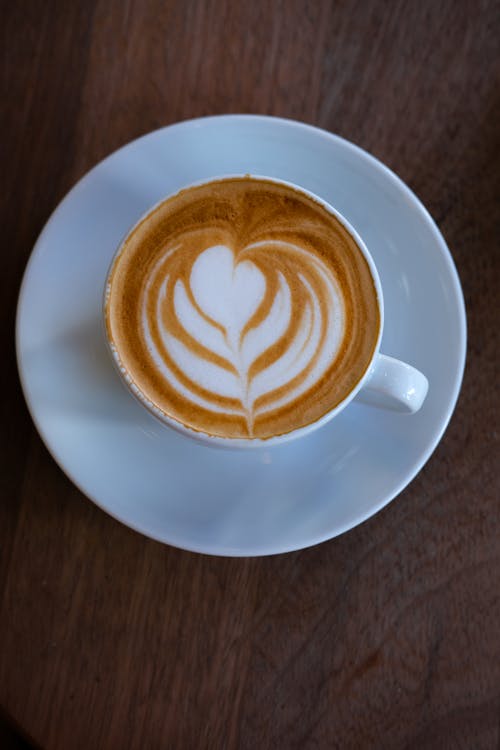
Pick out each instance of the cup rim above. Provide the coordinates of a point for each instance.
(217, 440)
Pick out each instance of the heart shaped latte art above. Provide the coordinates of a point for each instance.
(242, 308)
(242, 332)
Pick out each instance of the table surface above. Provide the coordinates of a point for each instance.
(387, 637)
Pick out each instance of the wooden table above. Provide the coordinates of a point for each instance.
(387, 637)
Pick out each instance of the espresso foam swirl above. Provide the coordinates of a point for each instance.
(242, 335)
(242, 309)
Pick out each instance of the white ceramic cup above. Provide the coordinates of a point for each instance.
(387, 382)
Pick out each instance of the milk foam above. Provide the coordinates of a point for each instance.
(215, 309)
(242, 308)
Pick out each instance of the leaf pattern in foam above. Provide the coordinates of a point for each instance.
(308, 353)
(200, 329)
(229, 293)
(163, 367)
(206, 374)
(290, 364)
(261, 338)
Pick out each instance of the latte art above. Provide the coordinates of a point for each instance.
(242, 336)
(242, 309)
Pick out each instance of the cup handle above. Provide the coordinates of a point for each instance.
(394, 385)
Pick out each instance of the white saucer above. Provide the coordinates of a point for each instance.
(165, 485)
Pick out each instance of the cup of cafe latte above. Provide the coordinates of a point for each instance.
(245, 311)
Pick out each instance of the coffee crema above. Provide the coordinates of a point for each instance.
(242, 308)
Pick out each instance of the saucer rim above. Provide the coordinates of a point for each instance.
(461, 344)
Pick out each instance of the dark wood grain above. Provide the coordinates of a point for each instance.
(387, 637)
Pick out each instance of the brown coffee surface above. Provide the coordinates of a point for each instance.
(242, 308)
